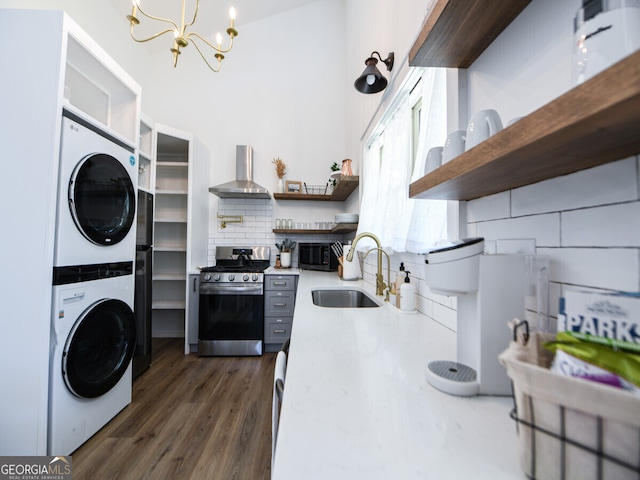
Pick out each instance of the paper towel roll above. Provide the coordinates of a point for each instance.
(350, 270)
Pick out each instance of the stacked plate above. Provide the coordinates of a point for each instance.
(346, 218)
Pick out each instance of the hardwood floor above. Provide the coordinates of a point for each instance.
(190, 418)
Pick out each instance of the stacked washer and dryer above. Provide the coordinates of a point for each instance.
(93, 328)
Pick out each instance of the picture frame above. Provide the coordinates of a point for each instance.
(293, 186)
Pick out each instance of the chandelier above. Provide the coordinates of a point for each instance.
(181, 37)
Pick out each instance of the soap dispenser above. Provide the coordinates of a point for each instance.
(407, 294)
(399, 282)
(400, 276)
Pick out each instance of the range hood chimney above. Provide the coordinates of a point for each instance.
(243, 186)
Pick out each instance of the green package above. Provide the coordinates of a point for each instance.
(623, 363)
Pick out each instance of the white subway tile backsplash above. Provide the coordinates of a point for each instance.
(588, 223)
(545, 229)
(445, 316)
(524, 246)
(491, 207)
(610, 268)
(425, 306)
(606, 184)
(607, 226)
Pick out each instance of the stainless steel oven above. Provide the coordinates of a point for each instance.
(231, 314)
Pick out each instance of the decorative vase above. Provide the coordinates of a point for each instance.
(346, 168)
(285, 259)
(281, 185)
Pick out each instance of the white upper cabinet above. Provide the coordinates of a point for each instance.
(98, 88)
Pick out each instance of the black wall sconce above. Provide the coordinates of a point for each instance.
(371, 80)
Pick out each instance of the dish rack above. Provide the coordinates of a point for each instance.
(569, 428)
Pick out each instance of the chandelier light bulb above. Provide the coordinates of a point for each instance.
(219, 39)
(232, 16)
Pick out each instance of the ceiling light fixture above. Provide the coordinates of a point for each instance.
(181, 37)
(371, 80)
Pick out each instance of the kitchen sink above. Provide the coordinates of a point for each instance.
(342, 299)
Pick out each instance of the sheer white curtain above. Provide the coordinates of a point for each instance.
(386, 178)
(401, 223)
(424, 222)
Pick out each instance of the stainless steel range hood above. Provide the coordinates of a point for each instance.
(243, 186)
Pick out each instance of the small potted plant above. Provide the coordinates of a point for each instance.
(285, 248)
(334, 176)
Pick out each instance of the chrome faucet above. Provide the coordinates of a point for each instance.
(380, 285)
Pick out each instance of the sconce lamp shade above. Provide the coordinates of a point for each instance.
(371, 80)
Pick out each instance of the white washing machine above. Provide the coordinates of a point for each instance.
(95, 215)
(93, 335)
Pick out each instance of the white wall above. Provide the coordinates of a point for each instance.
(282, 92)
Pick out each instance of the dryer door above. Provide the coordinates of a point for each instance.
(102, 199)
(99, 348)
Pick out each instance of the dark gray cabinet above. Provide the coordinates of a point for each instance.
(279, 302)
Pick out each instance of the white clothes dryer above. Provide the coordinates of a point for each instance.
(95, 216)
(93, 336)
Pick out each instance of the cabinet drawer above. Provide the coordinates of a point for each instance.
(279, 303)
(277, 329)
(280, 282)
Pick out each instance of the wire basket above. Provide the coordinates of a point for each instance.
(570, 428)
(317, 189)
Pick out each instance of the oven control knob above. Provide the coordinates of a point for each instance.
(232, 277)
(207, 277)
(245, 277)
(254, 277)
(216, 277)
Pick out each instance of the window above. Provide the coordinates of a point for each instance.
(394, 157)
(416, 112)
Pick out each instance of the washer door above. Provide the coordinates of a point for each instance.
(99, 348)
(102, 199)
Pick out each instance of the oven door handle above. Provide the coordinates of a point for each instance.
(231, 290)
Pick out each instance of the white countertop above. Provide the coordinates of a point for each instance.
(281, 271)
(357, 404)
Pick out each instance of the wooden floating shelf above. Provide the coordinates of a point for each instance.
(594, 123)
(339, 228)
(343, 190)
(345, 228)
(456, 32)
(298, 231)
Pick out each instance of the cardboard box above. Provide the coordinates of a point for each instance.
(614, 317)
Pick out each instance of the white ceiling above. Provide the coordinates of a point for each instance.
(213, 15)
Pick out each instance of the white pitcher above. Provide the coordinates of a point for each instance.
(454, 145)
(483, 124)
(433, 160)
